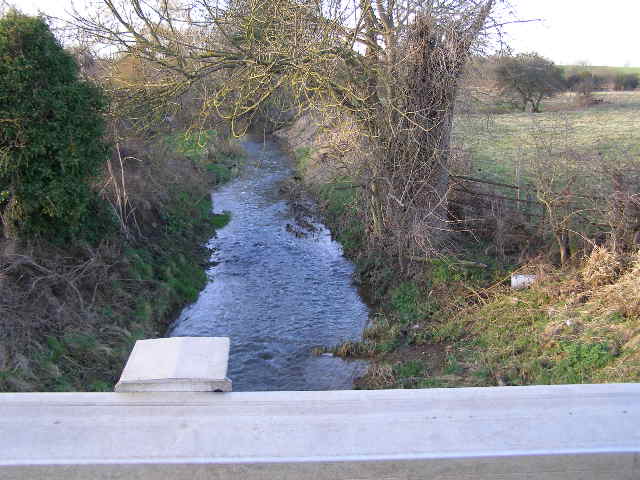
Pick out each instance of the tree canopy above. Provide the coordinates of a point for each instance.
(530, 77)
(392, 66)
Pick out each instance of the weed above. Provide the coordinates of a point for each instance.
(442, 271)
(221, 173)
(447, 331)
(303, 157)
(412, 368)
(388, 346)
(579, 362)
(431, 383)
(221, 220)
(404, 301)
(351, 349)
(191, 144)
(452, 366)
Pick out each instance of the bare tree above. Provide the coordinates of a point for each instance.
(392, 66)
(531, 77)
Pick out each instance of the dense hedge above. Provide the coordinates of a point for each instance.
(51, 130)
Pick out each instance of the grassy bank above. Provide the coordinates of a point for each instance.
(71, 314)
(453, 320)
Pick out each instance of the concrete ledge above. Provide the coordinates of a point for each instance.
(178, 364)
(584, 432)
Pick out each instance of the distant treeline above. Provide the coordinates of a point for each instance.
(602, 78)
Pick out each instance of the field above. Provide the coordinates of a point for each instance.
(502, 147)
(601, 70)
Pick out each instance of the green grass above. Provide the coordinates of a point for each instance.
(219, 157)
(303, 158)
(411, 368)
(503, 146)
(221, 220)
(339, 208)
(221, 173)
(601, 70)
(192, 144)
(536, 336)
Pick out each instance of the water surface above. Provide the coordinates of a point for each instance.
(276, 293)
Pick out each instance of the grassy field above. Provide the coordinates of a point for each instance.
(501, 146)
(601, 70)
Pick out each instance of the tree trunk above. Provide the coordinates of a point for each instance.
(413, 129)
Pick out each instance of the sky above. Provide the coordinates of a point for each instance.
(570, 31)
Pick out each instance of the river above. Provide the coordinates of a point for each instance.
(276, 292)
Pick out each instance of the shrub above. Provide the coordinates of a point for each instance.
(585, 82)
(529, 77)
(50, 136)
(628, 81)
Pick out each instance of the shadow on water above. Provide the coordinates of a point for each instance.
(274, 293)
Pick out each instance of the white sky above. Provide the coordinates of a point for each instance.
(598, 32)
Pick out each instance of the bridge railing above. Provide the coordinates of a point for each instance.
(542, 432)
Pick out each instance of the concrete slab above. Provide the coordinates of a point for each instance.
(178, 364)
(569, 432)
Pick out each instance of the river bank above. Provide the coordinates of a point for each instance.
(452, 320)
(70, 314)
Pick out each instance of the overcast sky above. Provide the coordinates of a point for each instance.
(600, 33)
(597, 32)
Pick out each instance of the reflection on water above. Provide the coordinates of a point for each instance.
(274, 294)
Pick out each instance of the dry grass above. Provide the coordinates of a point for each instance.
(379, 376)
(577, 325)
(602, 267)
(69, 315)
(617, 293)
(574, 327)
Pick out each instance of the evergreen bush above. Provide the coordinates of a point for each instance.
(51, 131)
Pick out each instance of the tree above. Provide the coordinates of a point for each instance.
(50, 133)
(392, 66)
(531, 78)
(585, 82)
(626, 81)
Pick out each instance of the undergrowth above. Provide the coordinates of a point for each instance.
(452, 320)
(69, 315)
(562, 330)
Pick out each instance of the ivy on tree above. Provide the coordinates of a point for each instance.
(51, 130)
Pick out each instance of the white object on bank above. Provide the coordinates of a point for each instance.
(521, 281)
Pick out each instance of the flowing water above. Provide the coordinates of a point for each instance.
(275, 293)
